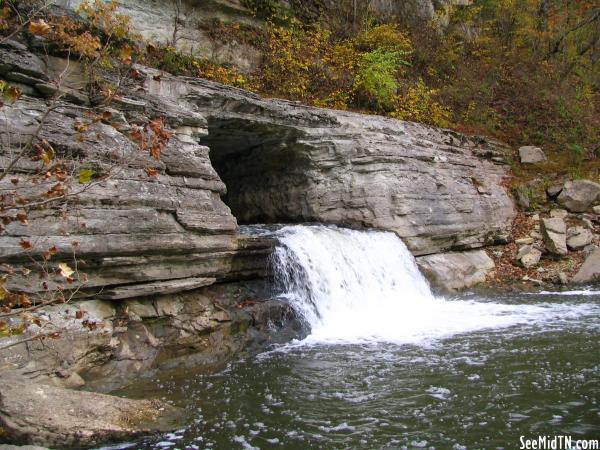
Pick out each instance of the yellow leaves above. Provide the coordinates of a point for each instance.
(418, 105)
(104, 16)
(85, 176)
(125, 54)
(48, 156)
(387, 37)
(3, 291)
(8, 92)
(39, 28)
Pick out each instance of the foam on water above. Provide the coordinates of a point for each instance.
(364, 286)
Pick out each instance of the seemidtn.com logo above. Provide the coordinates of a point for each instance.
(558, 443)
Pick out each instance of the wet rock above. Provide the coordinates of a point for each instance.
(198, 329)
(531, 155)
(578, 196)
(529, 256)
(36, 414)
(590, 270)
(579, 237)
(457, 270)
(554, 232)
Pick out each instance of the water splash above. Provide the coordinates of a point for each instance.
(360, 286)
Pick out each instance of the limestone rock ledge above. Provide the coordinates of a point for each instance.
(270, 160)
(52, 416)
(282, 161)
(136, 233)
(138, 338)
(456, 270)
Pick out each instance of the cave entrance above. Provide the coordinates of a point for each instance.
(264, 166)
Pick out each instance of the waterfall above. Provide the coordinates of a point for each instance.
(356, 286)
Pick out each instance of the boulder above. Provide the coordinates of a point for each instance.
(590, 270)
(529, 256)
(579, 237)
(596, 209)
(456, 270)
(554, 232)
(531, 155)
(36, 414)
(554, 190)
(559, 213)
(578, 196)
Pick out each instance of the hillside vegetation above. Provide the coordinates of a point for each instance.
(524, 71)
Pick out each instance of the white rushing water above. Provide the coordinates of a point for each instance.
(364, 286)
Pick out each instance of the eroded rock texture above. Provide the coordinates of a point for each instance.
(62, 418)
(155, 20)
(281, 161)
(137, 234)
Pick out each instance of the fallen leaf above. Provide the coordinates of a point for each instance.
(125, 54)
(39, 28)
(25, 244)
(85, 176)
(156, 125)
(22, 217)
(65, 270)
(12, 93)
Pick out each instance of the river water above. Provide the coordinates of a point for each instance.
(386, 364)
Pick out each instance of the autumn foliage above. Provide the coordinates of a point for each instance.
(40, 180)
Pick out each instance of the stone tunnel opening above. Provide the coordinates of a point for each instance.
(265, 168)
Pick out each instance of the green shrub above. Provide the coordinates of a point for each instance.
(377, 77)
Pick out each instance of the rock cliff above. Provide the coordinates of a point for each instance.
(277, 161)
(149, 229)
(282, 161)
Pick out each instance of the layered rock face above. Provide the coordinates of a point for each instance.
(155, 20)
(282, 161)
(137, 234)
